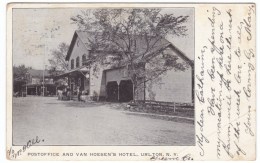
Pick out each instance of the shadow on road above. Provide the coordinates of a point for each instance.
(88, 104)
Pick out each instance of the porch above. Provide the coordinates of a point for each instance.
(77, 80)
(40, 89)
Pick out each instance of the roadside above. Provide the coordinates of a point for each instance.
(176, 117)
(93, 123)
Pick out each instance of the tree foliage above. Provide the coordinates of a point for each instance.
(134, 37)
(20, 73)
(58, 62)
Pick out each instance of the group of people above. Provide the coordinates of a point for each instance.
(66, 93)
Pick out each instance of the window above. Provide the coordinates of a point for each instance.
(72, 64)
(77, 62)
(84, 60)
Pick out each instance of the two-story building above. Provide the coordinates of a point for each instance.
(107, 82)
(39, 83)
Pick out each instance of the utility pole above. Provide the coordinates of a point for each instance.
(26, 83)
(48, 33)
(43, 79)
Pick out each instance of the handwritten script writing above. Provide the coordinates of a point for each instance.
(173, 157)
(13, 154)
(225, 82)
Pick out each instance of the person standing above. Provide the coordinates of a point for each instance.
(78, 93)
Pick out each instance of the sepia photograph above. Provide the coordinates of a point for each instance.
(103, 76)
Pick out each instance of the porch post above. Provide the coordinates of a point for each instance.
(69, 83)
(118, 91)
(144, 90)
(26, 88)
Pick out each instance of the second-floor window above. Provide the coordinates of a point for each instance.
(72, 64)
(84, 60)
(77, 62)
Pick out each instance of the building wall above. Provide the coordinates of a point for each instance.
(86, 84)
(48, 81)
(174, 86)
(100, 78)
(97, 80)
(36, 80)
(78, 51)
(116, 75)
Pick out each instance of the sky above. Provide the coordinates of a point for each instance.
(36, 32)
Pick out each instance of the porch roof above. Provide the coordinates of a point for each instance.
(75, 71)
(36, 85)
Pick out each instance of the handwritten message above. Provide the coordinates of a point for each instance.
(224, 93)
(225, 83)
(14, 154)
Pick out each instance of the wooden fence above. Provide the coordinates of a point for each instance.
(161, 106)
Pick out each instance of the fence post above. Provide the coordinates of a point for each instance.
(174, 107)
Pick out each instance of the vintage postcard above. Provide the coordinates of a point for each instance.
(131, 81)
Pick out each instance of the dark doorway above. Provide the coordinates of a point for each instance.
(112, 91)
(51, 90)
(31, 91)
(125, 91)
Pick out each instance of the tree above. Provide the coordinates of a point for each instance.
(58, 62)
(20, 73)
(20, 77)
(134, 37)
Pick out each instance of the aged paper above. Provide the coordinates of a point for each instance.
(135, 81)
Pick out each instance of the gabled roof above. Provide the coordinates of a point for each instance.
(174, 48)
(181, 54)
(84, 36)
(140, 45)
(72, 44)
